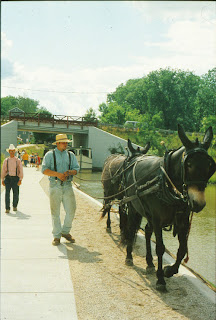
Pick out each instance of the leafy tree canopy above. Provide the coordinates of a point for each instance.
(26, 104)
(90, 115)
(164, 97)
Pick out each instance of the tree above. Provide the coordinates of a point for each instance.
(43, 137)
(90, 115)
(205, 104)
(8, 103)
(167, 92)
(25, 104)
(114, 115)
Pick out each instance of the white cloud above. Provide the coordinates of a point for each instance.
(90, 86)
(172, 11)
(189, 44)
(5, 44)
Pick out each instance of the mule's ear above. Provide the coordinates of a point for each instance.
(184, 139)
(146, 148)
(130, 147)
(207, 138)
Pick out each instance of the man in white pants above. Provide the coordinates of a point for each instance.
(61, 165)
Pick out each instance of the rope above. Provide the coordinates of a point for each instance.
(115, 174)
(123, 191)
(172, 184)
(187, 256)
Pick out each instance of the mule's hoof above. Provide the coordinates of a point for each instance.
(161, 287)
(129, 262)
(168, 271)
(108, 230)
(150, 269)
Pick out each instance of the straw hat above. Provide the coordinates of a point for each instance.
(11, 147)
(61, 138)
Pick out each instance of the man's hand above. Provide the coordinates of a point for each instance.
(19, 182)
(3, 183)
(71, 173)
(62, 176)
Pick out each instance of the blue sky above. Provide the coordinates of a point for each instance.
(69, 54)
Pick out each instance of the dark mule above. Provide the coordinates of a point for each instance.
(153, 195)
(111, 180)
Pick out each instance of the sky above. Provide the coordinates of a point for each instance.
(69, 55)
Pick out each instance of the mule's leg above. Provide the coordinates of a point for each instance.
(123, 222)
(108, 229)
(106, 210)
(160, 248)
(169, 271)
(134, 220)
(149, 258)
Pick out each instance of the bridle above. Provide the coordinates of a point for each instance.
(185, 156)
(185, 181)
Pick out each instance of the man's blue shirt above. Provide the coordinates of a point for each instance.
(62, 162)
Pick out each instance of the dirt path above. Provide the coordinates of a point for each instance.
(107, 289)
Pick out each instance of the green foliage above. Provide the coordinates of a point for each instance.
(119, 149)
(44, 112)
(90, 115)
(39, 148)
(163, 99)
(115, 114)
(8, 103)
(42, 137)
(207, 122)
(25, 104)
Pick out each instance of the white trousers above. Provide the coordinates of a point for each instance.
(62, 194)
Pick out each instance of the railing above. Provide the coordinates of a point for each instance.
(53, 119)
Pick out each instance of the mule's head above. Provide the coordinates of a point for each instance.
(138, 151)
(197, 167)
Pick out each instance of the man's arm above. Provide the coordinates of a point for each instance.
(20, 172)
(61, 176)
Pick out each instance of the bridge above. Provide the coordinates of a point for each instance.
(84, 133)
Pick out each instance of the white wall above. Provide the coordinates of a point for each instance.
(8, 135)
(100, 142)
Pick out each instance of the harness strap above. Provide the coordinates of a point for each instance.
(172, 184)
(69, 154)
(55, 166)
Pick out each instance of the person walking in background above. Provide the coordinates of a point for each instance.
(32, 160)
(25, 158)
(19, 155)
(37, 161)
(12, 175)
(61, 165)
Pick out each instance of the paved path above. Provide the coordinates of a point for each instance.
(35, 276)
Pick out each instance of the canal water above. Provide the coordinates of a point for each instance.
(201, 242)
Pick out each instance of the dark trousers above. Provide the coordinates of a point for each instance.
(11, 183)
(25, 163)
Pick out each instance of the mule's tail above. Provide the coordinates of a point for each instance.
(105, 209)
